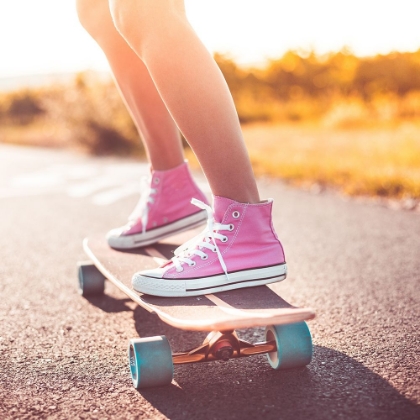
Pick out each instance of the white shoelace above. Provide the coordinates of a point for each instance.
(141, 211)
(206, 240)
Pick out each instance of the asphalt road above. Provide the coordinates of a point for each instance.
(62, 356)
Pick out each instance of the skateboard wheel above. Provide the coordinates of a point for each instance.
(150, 361)
(294, 345)
(91, 280)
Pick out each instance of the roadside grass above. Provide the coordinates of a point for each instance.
(38, 133)
(86, 114)
(337, 121)
(377, 161)
(380, 160)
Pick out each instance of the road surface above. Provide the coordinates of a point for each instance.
(62, 356)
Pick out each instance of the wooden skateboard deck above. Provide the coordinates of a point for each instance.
(235, 309)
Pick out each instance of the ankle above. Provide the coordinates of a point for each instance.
(167, 165)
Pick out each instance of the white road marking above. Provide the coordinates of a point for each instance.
(87, 188)
(111, 196)
(11, 193)
(105, 183)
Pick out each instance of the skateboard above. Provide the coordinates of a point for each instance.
(287, 344)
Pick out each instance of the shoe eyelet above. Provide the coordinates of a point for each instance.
(236, 214)
(156, 180)
(214, 250)
(224, 239)
(231, 227)
(193, 264)
(204, 257)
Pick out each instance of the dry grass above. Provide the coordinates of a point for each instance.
(363, 142)
(39, 133)
(86, 114)
(375, 161)
(370, 161)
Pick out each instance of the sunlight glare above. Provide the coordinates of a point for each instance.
(45, 36)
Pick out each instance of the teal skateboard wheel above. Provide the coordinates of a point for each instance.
(294, 345)
(91, 280)
(150, 361)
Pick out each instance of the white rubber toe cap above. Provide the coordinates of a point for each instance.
(151, 282)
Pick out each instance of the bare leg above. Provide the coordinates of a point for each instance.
(193, 89)
(157, 128)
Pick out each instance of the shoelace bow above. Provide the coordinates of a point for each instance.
(141, 211)
(205, 240)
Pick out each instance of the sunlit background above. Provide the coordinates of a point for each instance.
(327, 91)
(44, 36)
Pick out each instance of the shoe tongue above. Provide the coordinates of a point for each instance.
(220, 205)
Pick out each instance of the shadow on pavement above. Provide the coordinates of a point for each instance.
(332, 386)
(109, 304)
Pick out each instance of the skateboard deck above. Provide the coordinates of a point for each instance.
(235, 309)
(220, 314)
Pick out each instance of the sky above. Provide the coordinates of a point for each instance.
(44, 36)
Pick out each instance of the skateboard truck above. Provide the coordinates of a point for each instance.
(223, 346)
(152, 361)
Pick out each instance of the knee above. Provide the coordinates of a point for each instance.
(135, 17)
(94, 16)
(137, 20)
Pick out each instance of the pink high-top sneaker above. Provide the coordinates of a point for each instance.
(238, 248)
(164, 209)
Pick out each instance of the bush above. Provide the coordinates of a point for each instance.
(94, 116)
(21, 107)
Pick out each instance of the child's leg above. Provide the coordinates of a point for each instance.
(157, 128)
(239, 247)
(165, 206)
(192, 88)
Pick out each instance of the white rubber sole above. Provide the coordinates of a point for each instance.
(202, 286)
(152, 236)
